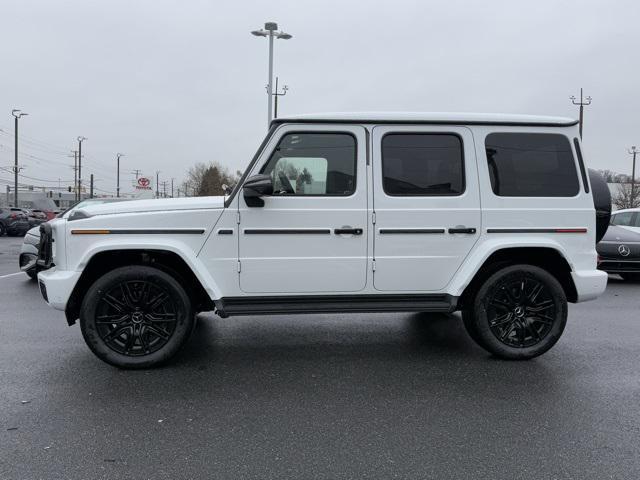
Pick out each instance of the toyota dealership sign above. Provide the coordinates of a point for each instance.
(143, 184)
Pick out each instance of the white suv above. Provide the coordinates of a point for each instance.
(492, 215)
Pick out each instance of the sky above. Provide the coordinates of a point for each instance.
(173, 83)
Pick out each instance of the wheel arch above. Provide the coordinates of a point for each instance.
(546, 257)
(167, 261)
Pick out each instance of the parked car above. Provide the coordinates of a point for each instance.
(628, 218)
(29, 251)
(35, 217)
(619, 252)
(493, 215)
(13, 221)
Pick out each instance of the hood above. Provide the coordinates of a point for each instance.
(155, 205)
(620, 234)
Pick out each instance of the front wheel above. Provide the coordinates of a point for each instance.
(518, 313)
(136, 317)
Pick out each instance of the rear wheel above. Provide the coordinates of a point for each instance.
(518, 313)
(136, 317)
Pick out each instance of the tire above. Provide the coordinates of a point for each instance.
(518, 313)
(141, 328)
(33, 274)
(630, 277)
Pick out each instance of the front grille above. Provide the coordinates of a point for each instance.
(45, 250)
(613, 266)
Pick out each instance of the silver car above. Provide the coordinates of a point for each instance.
(29, 250)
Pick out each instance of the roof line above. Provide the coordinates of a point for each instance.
(279, 121)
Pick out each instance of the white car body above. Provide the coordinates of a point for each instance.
(242, 254)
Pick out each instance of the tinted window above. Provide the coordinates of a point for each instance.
(422, 164)
(531, 165)
(313, 164)
(624, 219)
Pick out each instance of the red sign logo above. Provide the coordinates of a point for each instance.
(143, 184)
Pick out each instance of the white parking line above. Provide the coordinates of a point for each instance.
(11, 275)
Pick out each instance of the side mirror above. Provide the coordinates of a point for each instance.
(256, 187)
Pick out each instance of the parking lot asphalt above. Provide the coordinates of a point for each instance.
(324, 396)
(9, 252)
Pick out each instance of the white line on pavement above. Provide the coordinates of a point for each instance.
(10, 275)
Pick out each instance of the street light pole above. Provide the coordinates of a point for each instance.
(582, 103)
(633, 152)
(270, 30)
(118, 155)
(80, 140)
(172, 187)
(17, 114)
(157, 183)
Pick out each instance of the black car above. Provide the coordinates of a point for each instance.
(619, 252)
(13, 221)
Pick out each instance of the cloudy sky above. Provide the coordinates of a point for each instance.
(173, 83)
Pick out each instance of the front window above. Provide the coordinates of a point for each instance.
(313, 164)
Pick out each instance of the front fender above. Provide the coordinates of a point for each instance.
(181, 249)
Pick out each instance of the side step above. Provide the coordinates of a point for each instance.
(248, 305)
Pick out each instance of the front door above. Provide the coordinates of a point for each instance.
(310, 236)
(427, 205)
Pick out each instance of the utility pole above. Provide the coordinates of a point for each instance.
(75, 174)
(118, 155)
(164, 189)
(172, 187)
(633, 152)
(17, 114)
(80, 140)
(277, 94)
(91, 188)
(270, 31)
(137, 172)
(582, 103)
(157, 183)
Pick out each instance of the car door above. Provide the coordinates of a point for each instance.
(310, 236)
(426, 203)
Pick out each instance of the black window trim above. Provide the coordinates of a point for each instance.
(583, 171)
(420, 132)
(577, 194)
(328, 132)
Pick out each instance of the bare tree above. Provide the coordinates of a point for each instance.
(623, 197)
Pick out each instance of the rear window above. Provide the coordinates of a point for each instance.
(625, 219)
(531, 165)
(423, 164)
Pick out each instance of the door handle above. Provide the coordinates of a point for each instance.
(470, 230)
(348, 231)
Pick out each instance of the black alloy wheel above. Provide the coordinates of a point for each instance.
(521, 311)
(518, 313)
(136, 316)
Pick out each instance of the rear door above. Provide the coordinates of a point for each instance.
(427, 205)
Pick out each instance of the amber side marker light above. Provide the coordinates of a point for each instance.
(90, 232)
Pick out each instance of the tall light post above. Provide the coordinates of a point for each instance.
(633, 152)
(17, 114)
(582, 103)
(270, 30)
(118, 155)
(80, 140)
(157, 183)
